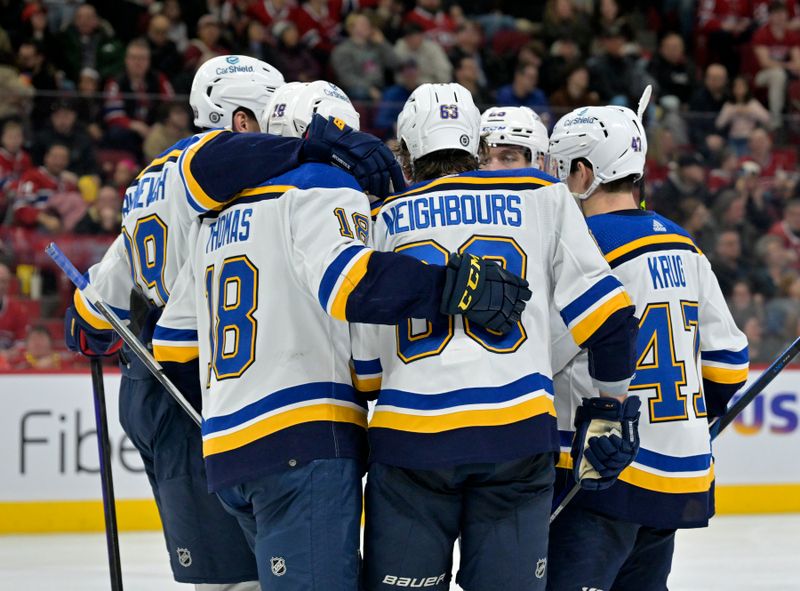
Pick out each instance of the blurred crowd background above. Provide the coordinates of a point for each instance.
(90, 91)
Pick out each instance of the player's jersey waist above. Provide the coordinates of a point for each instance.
(469, 425)
(281, 410)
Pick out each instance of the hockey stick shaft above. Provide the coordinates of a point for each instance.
(718, 425)
(106, 475)
(130, 339)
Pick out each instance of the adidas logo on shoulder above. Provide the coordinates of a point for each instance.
(658, 226)
(590, 589)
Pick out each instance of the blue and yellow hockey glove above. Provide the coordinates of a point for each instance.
(363, 155)
(483, 292)
(87, 340)
(606, 440)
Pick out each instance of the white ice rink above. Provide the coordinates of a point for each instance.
(734, 554)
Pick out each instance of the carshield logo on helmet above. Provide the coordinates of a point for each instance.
(232, 59)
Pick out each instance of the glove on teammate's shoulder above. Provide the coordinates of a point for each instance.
(606, 440)
(483, 292)
(87, 340)
(363, 155)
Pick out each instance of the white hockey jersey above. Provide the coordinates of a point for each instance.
(691, 358)
(152, 245)
(450, 392)
(264, 297)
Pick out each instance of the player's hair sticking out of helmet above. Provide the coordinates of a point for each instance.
(439, 132)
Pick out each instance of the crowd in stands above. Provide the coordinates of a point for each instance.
(89, 91)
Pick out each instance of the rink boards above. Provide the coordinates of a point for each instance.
(49, 477)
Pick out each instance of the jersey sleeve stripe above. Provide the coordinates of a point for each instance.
(532, 406)
(590, 297)
(92, 316)
(174, 352)
(647, 241)
(348, 284)
(332, 275)
(367, 384)
(723, 375)
(582, 330)
(198, 198)
(465, 396)
(726, 357)
(163, 333)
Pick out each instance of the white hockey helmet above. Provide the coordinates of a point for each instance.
(516, 126)
(226, 83)
(612, 139)
(294, 105)
(439, 117)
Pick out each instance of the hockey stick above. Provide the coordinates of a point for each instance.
(106, 476)
(718, 424)
(130, 339)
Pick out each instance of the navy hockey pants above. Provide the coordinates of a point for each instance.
(591, 551)
(499, 512)
(204, 543)
(304, 524)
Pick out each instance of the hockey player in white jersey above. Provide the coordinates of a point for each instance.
(205, 544)
(271, 279)
(691, 359)
(516, 136)
(463, 432)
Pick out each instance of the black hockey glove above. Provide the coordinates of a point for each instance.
(363, 155)
(483, 292)
(606, 440)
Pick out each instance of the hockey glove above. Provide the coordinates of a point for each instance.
(606, 440)
(362, 155)
(87, 340)
(483, 292)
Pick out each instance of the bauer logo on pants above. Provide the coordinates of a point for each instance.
(541, 566)
(184, 557)
(278, 566)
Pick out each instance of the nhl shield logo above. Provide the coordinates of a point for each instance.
(184, 557)
(278, 565)
(541, 566)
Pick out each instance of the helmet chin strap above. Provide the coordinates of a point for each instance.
(588, 192)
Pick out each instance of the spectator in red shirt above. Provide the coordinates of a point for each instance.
(788, 229)
(777, 51)
(269, 12)
(35, 205)
(13, 321)
(761, 153)
(761, 13)
(726, 25)
(14, 162)
(438, 25)
(130, 108)
(320, 27)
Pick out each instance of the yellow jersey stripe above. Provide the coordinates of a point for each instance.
(589, 325)
(264, 190)
(467, 418)
(521, 180)
(655, 482)
(367, 385)
(157, 161)
(646, 241)
(348, 284)
(87, 314)
(175, 354)
(284, 420)
(723, 375)
(196, 191)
